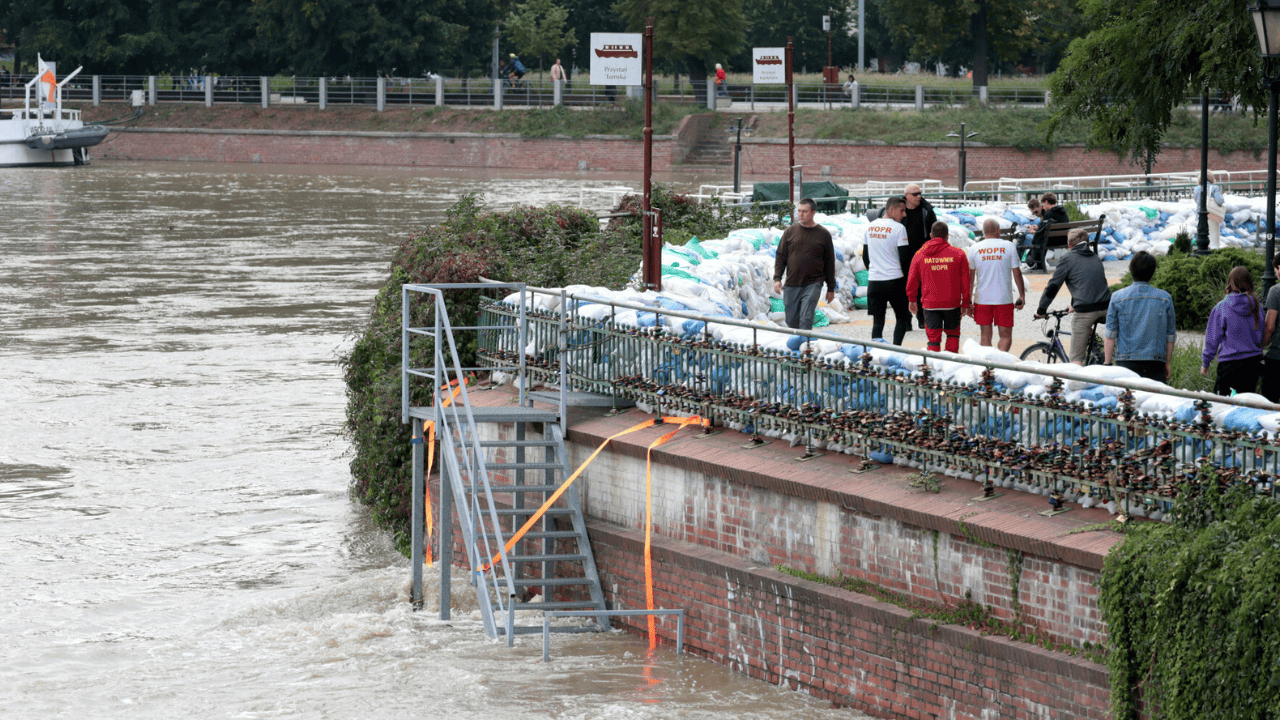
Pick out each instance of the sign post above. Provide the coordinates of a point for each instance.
(616, 60)
(791, 122)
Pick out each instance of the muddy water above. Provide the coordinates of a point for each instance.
(174, 525)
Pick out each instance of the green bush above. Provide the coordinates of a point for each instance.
(552, 246)
(1190, 608)
(1198, 283)
(548, 247)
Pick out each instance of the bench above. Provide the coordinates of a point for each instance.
(1057, 235)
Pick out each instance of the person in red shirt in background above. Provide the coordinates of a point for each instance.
(940, 273)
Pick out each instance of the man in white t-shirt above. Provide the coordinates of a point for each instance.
(993, 263)
(888, 255)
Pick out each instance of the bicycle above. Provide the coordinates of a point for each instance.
(1054, 351)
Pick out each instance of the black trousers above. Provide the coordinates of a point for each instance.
(1151, 369)
(882, 294)
(1239, 375)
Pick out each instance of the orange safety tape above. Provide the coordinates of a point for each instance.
(429, 428)
(648, 521)
(537, 515)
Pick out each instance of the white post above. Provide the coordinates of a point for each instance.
(558, 98)
(382, 94)
(919, 97)
(711, 95)
(497, 93)
(982, 95)
(856, 100)
(97, 90)
(324, 93)
(208, 91)
(795, 92)
(151, 90)
(439, 91)
(1046, 98)
(265, 83)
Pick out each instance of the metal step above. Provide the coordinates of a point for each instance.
(517, 443)
(580, 399)
(507, 512)
(536, 535)
(499, 414)
(500, 466)
(570, 557)
(560, 605)
(497, 488)
(549, 582)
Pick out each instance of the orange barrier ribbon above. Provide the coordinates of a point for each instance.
(648, 519)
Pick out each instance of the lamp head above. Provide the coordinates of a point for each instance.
(1266, 22)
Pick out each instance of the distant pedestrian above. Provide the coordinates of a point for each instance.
(557, 71)
(1271, 341)
(808, 258)
(939, 275)
(888, 257)
(1234, 336)
(1214, 206)
(722, 88)
(1141, 328)
(993, 263)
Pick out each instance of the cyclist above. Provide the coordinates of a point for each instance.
(514, 69)
(1081, 270)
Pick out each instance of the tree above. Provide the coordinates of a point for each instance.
(589, 16)
(771, 22)
(537, 28)
(1143, 59)
(693, 34)
(361, 37)
(977, 33)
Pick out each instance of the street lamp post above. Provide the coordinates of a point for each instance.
(1266, 21)
(963, 136)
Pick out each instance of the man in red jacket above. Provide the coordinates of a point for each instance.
(940, 273)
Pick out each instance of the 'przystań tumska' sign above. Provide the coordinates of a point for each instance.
(767, 66)
(617, 59)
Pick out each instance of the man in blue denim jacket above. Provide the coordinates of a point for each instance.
(1140, 324)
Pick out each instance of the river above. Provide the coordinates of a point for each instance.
(175, 529)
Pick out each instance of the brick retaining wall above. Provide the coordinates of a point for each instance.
(761, 157)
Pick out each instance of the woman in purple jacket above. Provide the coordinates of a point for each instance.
(1234, 335)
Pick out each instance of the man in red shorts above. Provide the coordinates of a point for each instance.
(992, 263)
(940, 274)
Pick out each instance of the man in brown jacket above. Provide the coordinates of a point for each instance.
(808, 258)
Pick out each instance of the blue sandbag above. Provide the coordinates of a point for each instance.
(693, 327)
(853, 352)
(795, 341)
(1243, 418)
(883, 458)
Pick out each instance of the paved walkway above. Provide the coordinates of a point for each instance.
(1026, 330)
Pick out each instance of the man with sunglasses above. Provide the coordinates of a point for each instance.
(918, 221)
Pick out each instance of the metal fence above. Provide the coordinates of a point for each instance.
(1000, 438)
(530, 91)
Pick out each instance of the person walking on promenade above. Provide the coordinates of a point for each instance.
(939, 275)
(808, 258)
(1271, 341)
(1234, 336)
(887, 256)
(1050, 213)
(919, 219)
(1085, 277)
(1214, 205)
(993, 262)
(1141, 328)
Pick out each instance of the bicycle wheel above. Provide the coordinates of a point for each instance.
(1042, 352)
(1096, 354)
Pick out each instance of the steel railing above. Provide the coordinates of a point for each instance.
(1048, 444)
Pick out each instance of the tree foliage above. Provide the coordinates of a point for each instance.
(1196, 283)
(979, 34)
(1145, 58)
(694, 34)
(771, 22)
(1190, 608)
(537, 29)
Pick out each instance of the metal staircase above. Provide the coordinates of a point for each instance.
(494, 478)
